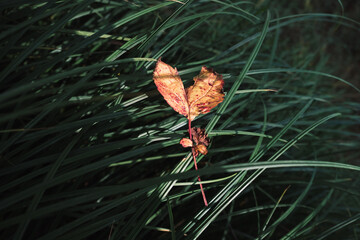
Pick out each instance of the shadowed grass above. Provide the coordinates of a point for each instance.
(89, 148)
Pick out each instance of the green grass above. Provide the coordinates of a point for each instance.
(90, 150)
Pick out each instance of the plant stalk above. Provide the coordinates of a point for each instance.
(196, 168)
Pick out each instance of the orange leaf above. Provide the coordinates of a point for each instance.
(170, 86)
(206, 93)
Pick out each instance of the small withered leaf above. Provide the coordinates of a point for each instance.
(200, 148)
(185, 142)
(199, 136)
(200, 139)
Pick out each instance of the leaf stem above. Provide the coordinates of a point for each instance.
(196, 168)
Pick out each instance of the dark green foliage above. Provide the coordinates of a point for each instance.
(90, 150)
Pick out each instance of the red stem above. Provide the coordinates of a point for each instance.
(196, 168)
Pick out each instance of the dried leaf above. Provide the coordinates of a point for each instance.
(201, 141)
(170, 86)
(206, 93)
(185, 142)
(199, 136)
(200, 148)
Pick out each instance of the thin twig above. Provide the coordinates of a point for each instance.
(196, 168)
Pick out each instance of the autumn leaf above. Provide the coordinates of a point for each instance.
(206, 93)
(201, 141)
(169, 84)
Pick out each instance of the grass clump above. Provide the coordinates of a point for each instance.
(90, 150)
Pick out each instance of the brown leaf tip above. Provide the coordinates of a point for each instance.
(219, 81)
(161, 66)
